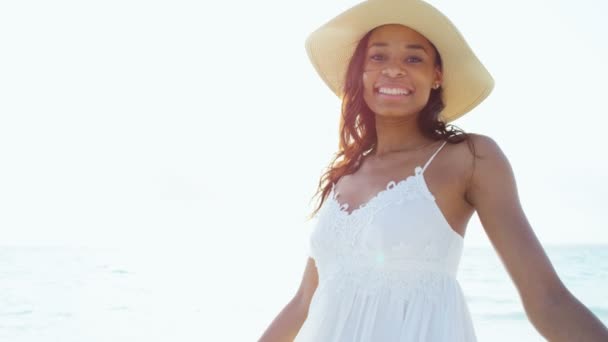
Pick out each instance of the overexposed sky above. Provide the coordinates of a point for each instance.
(203, 124)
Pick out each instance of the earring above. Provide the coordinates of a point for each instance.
(436, 86)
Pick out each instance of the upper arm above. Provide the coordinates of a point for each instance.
(309, 283)
(493, 193)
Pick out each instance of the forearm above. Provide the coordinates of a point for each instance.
(286, 325)
(566, 319)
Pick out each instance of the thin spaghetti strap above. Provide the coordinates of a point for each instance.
(433, 156)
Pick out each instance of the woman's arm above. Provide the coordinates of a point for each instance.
(286, 325)
(552, 309)
(289, 321)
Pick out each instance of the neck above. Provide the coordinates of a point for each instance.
(398, 134)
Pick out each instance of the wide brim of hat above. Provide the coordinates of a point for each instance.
(466, 82)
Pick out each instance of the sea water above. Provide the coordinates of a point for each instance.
(95, 294)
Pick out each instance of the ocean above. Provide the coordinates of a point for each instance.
(96, 294)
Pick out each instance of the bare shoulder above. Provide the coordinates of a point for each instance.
(466, 155)
(485, 145)
(488, 153)
(481, 162)
(490, 170)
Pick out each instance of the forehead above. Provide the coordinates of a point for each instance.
(396, 33)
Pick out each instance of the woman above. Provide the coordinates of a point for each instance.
(396, 200)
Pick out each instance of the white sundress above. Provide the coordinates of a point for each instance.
(387, 270)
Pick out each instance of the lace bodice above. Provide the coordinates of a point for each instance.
(390, 240)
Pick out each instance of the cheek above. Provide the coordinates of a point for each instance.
(365, 78)
(368, 81)
(368, 85)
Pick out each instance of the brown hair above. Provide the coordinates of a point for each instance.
(358, 124)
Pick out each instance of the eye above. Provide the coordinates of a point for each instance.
(413, 59)
(376, 57)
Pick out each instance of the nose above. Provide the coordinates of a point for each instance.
(393, 71)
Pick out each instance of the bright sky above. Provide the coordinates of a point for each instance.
(126, 121)
(147, 122)
(202, 125)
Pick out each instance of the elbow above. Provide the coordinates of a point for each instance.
(546, 293)
(539, 307)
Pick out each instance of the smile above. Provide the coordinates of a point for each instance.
(392, 94)
(393, 91)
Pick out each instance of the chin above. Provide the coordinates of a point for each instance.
(395, 114)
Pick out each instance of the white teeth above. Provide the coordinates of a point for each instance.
(393, 91)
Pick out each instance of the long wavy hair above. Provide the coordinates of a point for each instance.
(358, 124)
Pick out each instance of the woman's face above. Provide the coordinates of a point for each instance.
(399, 71)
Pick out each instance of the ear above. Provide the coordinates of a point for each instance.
(438, 75)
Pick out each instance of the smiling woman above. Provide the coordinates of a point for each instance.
(395, 202)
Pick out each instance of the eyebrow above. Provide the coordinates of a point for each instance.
(409, 46)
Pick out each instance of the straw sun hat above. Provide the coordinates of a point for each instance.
(466, 82)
